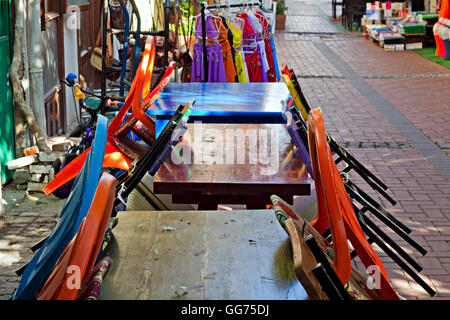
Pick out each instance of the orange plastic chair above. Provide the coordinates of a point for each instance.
(328, 205)
(116, 155)
(82, 251)
(339, 210)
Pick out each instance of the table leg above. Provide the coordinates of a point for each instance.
(207, 203)
(255, 202)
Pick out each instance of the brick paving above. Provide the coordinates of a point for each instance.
(423, 194)
(28, 219)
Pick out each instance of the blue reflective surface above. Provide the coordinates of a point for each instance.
(223, 99)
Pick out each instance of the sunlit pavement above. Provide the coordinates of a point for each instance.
(392, 110)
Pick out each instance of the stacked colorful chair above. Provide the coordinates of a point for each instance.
(353, 202)
(83, 249)
(121, 151)
(338, 212)
(71, 263)
(74, 211)
(302, 109)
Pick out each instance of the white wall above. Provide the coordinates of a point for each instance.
(71, 65)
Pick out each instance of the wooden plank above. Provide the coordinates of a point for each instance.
(232, 262)
(208, 255)
(149, 263)
(278, 278)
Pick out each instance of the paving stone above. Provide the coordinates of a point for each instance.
(21, 162)
(45, 220)
(37, 177)
(22, 219)
(62, 147)
(40, 169)
(22, 186)
(48, 157)
(21, 176)
(29, 214)
(36, 187)
(51, 174)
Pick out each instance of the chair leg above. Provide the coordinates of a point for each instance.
(333, 8)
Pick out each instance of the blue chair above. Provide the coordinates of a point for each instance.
(73, 212)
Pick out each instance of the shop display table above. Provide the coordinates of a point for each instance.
(200, 255)
(214, 175)
(223, 102)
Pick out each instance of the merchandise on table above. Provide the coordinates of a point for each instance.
(248, 51)
(392, 41)
(396, 20)
(411, 28)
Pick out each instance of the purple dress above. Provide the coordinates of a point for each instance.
(216, 67)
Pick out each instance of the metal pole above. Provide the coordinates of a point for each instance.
(205, 58)
(177, 23)
(104, 31)
(123, 72)
(166, 33)
(137, 45)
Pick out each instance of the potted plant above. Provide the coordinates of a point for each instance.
(280, 21)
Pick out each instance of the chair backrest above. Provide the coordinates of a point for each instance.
(84, 248)
(339, 209)
(73, 212)
(133, 98)
(328, 204)
(304, 261)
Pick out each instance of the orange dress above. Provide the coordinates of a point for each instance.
(230, 69)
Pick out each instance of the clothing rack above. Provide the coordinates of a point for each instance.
(162, 33)
(204, 6)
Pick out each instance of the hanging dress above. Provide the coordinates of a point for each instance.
(228, 62)
(275, 59)
(271, 72)
(252, 60)
(241, 67)
(271, 75)
(216, 68)
(260, 48)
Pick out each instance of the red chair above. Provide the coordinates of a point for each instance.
(338, 211)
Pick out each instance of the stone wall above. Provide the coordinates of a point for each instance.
(34, 172)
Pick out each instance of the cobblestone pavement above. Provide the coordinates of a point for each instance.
(415, 87)
(27, 219)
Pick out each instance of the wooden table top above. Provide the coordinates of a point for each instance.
(284, 175)
(218, 255)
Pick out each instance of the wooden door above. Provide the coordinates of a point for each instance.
(7, 131)
(87, 36)
(53, 57)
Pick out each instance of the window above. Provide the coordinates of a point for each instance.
(82, 4)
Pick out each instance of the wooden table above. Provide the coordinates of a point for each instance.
(209, 184)
(223, 102)
(220, 255)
